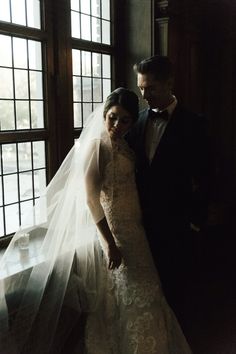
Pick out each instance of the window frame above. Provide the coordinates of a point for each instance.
(57, 44)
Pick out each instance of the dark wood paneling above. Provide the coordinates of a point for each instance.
(202, 45)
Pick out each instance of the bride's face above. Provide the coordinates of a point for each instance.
(118, 121)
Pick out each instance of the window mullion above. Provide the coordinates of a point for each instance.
(63, 71)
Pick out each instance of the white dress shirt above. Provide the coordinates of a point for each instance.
(155, 130)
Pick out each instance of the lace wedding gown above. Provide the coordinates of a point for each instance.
(133, 316)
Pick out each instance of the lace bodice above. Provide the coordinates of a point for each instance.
(119, 196)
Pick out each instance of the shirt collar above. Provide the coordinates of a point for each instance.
(169, 108)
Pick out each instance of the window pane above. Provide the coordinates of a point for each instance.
(35, 55)
(24, 156)
(4, 10)
(6, 83)
(26, 215)
(10, 188)
(87, 89)
(96, 10)
(7, 120)
(6, 52)
(85, 6)
(77, 88)
(26, 187)
(39, 182)
(75, 24)
(33, 13)
(86, 63)
(106, 9)
(106, 66)
(97, 64)
(21, 84)
(77, 115)
(106, 88)
(9, 158)
(39, 160)
(87, 110)
(1, 195)
(36, 85)
(97, 90)
(37, 114)
(74, 4)
(12, 218)
(1, 223)
(96, 30)
(76, 62)
(106, 32)
(85, 27)
(22, 115)
(18, 12)
(19, 53)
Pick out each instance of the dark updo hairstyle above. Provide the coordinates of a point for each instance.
(159, 66)
(126, 99)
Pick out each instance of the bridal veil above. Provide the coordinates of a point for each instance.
(45, 287)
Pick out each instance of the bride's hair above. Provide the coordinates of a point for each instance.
(124, 98)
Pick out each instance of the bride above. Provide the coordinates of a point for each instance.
(92, 256)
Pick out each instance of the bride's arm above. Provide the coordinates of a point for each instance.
(93, 186)
(113, 252)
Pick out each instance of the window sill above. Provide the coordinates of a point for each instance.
(23, 259)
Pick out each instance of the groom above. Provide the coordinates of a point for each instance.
(171, 150)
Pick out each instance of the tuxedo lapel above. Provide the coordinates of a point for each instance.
(169, 136)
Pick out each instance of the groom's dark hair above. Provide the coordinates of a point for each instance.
(159, 66)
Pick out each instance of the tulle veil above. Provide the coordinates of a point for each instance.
(45, 287)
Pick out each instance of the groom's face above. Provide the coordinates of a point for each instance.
(156, 93)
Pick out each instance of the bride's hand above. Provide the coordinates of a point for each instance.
(114, 256)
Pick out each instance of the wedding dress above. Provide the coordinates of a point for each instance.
(133, 316)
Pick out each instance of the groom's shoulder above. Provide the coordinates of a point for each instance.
(189, 116)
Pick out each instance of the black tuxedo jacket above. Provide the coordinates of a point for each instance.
(173, 188)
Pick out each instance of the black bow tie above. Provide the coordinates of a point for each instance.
(160, 114)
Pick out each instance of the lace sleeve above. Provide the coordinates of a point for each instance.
(93, 180)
